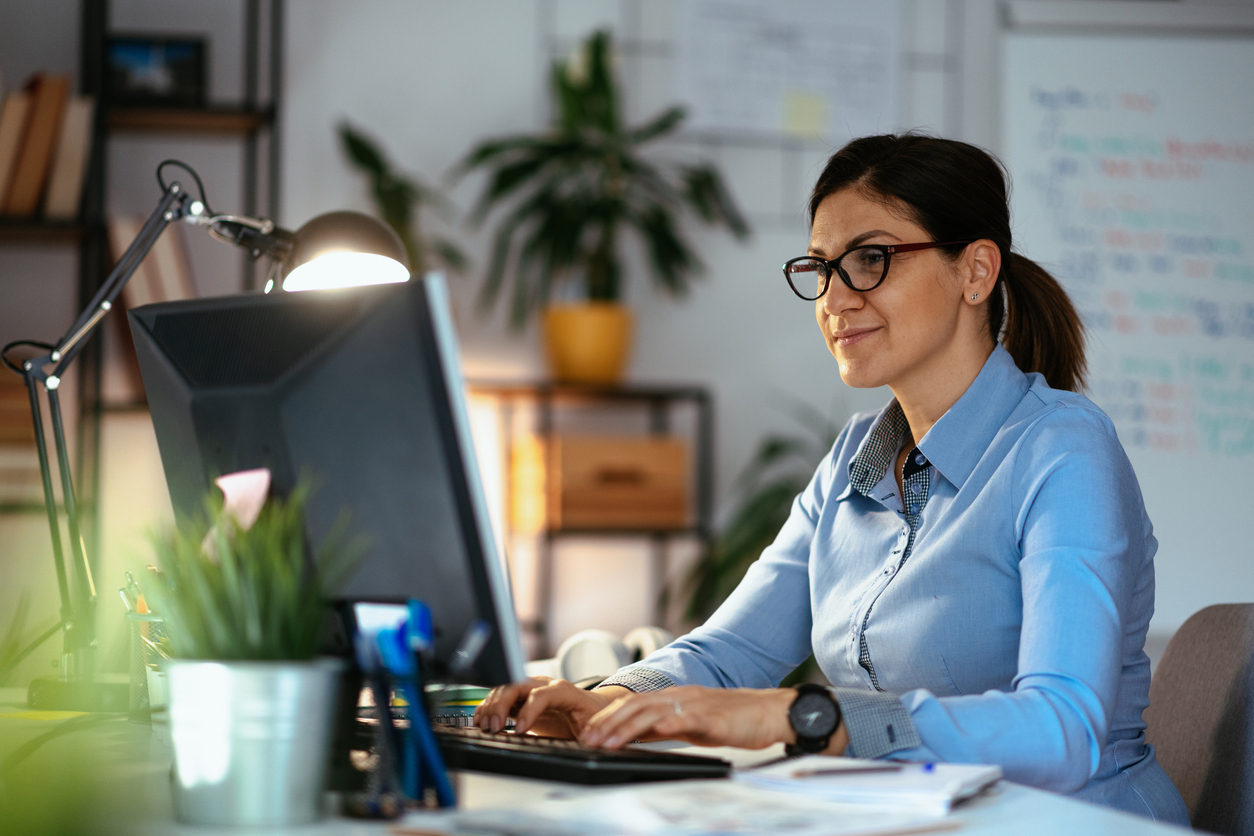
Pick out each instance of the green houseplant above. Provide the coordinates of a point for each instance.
(250, 705)
(570, 195)
(399, 199)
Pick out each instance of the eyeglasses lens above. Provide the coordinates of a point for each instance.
(864, 266)
(807, 277)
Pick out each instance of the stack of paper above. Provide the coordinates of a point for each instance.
(675, 808)
(932, 787)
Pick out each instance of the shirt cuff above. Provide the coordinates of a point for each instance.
(639, 680)
(878, 723)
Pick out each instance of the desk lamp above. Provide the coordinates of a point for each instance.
(338, 249)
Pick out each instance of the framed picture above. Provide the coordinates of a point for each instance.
(155, 71)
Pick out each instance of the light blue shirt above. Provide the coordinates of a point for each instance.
(1013, 633)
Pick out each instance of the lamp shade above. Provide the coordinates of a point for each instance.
(345, 249)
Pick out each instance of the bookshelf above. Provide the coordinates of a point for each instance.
(247, 120)
(243, 122)
(546, 401)
(39, 232)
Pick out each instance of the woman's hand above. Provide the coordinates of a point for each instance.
(546, 706)
(748, 718)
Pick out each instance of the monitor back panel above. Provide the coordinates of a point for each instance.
(347, 388)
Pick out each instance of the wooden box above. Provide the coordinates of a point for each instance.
(599, 482)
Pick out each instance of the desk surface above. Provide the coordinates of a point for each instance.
(128, 792)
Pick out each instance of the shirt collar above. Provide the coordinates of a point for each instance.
(963, 434)
(879, 449)
(955, 442)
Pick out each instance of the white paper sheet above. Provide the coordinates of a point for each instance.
(815, 69)
(680, 808)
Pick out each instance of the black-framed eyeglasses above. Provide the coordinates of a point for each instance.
(861, 268)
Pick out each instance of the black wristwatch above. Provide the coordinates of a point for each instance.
(815, 716)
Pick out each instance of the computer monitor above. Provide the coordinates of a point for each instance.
(362, 389)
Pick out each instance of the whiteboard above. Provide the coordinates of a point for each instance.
(1132, 158)
(811, 69)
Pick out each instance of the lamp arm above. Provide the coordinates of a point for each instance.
(170, 208)
(260, 237)
(78, 604)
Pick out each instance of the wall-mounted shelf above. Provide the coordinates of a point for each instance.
(39, 232)
(206, 120)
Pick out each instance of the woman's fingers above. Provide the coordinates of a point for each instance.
(655, 720)
(558, 706)
(639, 716)
(747, 718)
(503, 701)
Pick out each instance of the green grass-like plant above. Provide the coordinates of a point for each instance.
(258, 594)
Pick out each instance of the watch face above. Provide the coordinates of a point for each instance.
(813, 715)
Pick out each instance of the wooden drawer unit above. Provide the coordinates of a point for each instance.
(599, 482)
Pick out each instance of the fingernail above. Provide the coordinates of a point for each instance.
(496, 724)
(611, 742)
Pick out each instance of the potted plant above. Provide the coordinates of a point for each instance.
(399, 199)
(250, 704)
(573, 193)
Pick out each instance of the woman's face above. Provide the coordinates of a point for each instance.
(906, 327)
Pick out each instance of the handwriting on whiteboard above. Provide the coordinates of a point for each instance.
(1142, 205)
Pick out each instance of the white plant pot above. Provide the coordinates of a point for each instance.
(251, 740)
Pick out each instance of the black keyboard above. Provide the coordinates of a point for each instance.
(567, 760)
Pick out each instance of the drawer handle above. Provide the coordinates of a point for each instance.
(619, 476)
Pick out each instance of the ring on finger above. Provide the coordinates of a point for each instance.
(679, 709)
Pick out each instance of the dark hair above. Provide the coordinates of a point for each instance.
(957, 192)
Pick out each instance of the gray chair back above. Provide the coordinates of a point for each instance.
(1201, 717)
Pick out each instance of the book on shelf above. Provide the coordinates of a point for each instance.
(163, 276)
(49, 94)
(69, 165)
(20, 481)
(12, 124)
(15, 418)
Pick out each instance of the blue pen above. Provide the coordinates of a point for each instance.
(395, 647)
(392, 654)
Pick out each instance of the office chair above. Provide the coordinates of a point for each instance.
(1201, 717)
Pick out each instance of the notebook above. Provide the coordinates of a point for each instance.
(934, 787)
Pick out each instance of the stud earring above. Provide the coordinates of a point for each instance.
(974, 296)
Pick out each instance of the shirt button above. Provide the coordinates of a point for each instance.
(914, 509)
(920, 459)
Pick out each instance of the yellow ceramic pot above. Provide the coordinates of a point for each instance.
(588, 342)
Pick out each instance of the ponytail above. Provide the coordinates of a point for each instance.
(957, 192)
(1042, 331)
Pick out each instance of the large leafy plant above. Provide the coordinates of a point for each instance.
(249, 594)
(569, 193)
(399, 199)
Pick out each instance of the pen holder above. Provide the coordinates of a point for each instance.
(146, 631)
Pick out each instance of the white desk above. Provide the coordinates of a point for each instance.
(131, 792)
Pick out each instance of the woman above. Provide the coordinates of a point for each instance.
(972, 566)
